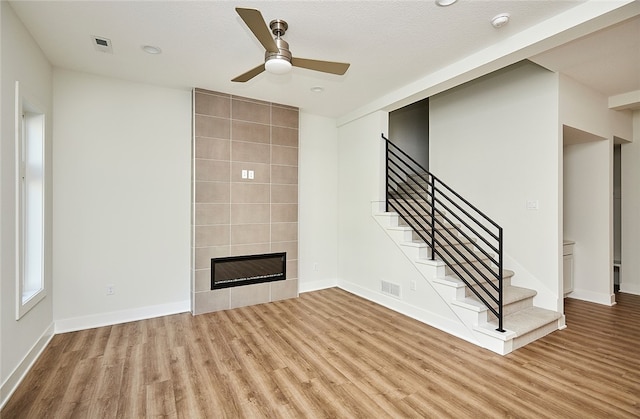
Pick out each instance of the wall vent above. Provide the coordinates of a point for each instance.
(102, 44)
(390, 288)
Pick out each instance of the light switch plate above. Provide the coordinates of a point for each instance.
(532, 205)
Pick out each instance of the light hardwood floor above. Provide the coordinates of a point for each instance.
(332, 354)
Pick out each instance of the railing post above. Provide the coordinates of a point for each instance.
(433, 215)
(386, 174)
(500, 288)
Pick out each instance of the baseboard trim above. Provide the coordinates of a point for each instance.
(630, 289)
(316, 285)
(593, 297)
(124, 316)
(14, 379)
(429, 318)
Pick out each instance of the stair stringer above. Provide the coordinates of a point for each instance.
(473, 316)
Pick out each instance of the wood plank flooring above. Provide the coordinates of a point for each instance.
(330, 354)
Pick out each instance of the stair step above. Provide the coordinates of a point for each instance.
(449, 233)
(475, 272)
(510, 294)
(514, 299)
(418, 193)
(460, 251)
(525, 321)
(414, 205)
(506, 279)
(425, 217)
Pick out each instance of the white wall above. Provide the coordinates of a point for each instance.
(588, 218)
(495, 140)
(21, 340)
(318, 202)
(122, 200)
(583, 108)
(366, 255)
(588, 185)
(630, 271)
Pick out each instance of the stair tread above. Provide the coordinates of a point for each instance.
(400, 228)
(473, 256)
(510, 294)
(402, 223)
(527, 320)
(506, 273)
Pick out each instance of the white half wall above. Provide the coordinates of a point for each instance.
(122, 200)
(21, 340)
(495, 141)
(318, 203)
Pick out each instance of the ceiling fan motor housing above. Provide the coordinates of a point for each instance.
(283, 51)
(279, 28)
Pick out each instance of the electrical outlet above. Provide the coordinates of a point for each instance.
(251, 175)
(111, 289)
(244, 173)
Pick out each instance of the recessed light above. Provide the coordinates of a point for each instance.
(150, 49)
(445, 3)
(500, 20)
(317, 89)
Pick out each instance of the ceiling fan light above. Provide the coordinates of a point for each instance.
(277, 66)
(445, 3)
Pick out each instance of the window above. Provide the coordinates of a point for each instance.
(30, 141)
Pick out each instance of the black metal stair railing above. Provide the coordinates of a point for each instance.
(456, 232)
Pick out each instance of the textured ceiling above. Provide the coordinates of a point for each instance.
(608, 60)
(389, 44)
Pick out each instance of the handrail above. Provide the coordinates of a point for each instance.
(458, 233)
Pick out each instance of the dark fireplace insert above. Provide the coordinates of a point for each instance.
(234, 271)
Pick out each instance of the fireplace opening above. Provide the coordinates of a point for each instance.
(249, 269)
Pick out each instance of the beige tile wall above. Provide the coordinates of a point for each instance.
(234, 216)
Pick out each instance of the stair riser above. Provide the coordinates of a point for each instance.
(469, 267)
(415, 252)
(523, 340)
(459, 251)
(442, 235)
(424, 219)
(400, 235)
(455, 245)
(505, 282)
(408, 193)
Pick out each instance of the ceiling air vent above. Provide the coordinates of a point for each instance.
(102, 44)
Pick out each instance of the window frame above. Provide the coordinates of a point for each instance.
(30, 125)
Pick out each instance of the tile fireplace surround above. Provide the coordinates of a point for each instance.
(235, 216)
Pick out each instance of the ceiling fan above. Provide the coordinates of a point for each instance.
(277, 57)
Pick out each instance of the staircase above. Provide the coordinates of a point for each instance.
(458, 250)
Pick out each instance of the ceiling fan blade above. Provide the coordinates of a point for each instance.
(324, 66)
(249, 74)
(254, 20)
